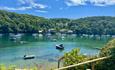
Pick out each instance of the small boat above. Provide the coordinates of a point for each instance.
(28, 57)
(60, 47)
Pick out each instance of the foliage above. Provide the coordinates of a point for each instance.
(74, 57)
(108, 50)
(2, 67)
(12, 23)
(12, 67)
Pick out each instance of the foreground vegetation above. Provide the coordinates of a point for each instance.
(22, 23)
(108, 50)
(13, 67)
(74, 57)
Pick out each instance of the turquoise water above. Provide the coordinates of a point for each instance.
(43, 47)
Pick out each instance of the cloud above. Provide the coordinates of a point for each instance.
(20, 8)
(42, 11)
(31, 5)
(22, 1)
(103, 2)
(92, 2)
(75, 2)
(41, 6)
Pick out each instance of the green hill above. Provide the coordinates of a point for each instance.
(11, 22)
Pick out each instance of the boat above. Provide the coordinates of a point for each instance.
(28, 57)
(60, 47)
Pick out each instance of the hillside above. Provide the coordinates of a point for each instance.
(11, 22)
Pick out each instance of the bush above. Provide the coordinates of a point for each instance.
(108, 64)
(74, 57)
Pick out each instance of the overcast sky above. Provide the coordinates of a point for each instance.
(60, 8)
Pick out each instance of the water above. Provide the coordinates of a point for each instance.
(14, 47)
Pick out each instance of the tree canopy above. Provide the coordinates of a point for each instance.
(11, 22)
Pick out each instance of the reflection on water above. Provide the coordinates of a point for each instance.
(14, 47)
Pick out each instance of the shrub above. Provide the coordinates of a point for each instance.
(108, 64)
(74, 57)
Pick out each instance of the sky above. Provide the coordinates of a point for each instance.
(60, 8)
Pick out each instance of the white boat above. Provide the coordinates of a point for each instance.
(29, 57)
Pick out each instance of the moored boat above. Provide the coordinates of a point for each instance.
(29, 57)
(61, 47)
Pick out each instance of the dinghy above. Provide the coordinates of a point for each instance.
(60, 47)
(29, 57)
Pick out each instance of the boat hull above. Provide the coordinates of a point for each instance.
(61, 48)
(28, 57)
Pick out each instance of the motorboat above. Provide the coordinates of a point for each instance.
(60, 47)
(28, 57)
